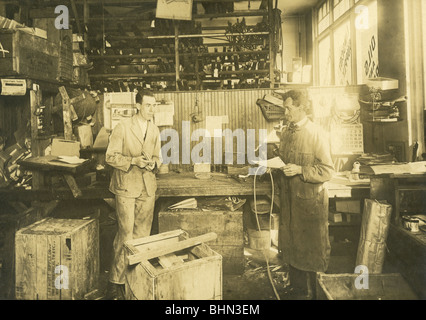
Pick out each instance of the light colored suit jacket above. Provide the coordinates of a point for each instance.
(127, 141)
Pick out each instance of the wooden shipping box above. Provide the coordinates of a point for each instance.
(194, 273)
(45, 248)
(9, 225)
(228, 225)
(390, 286)
(27, 55)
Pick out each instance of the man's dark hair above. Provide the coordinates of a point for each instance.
(300, 99)
(142, 93)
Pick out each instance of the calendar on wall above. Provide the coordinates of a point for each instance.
(347, 139)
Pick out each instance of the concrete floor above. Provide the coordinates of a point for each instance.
(253, 284)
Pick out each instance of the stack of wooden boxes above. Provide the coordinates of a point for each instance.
(24, 54)
(63, 39)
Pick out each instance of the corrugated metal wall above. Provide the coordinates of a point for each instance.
(239, 105)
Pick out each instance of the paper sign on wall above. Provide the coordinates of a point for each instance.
(214, 125)
(13, 87)
(174, 9)
(164, 113)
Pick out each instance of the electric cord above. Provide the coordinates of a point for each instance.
(270, 225)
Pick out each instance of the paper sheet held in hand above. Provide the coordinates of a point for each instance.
(274, 163)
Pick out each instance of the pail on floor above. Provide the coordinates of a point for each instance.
(274, 229)
(259, 240)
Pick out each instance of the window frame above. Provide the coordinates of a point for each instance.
(319, 35)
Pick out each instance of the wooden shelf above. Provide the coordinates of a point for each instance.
(343, 224)
(133, 75)
(185, 54)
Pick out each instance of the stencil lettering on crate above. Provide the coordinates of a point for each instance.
(51, 265)
(3, 51)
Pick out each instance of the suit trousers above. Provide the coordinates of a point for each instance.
(134, 218)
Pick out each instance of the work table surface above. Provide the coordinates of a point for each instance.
(219, 184)
(184, 185)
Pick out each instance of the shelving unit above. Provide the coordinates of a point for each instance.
(181, 55)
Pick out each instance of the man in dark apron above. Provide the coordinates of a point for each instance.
(303, 231)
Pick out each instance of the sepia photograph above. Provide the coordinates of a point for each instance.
(214, 156)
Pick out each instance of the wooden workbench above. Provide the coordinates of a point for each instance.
(187, 185)
(50, 165)
(184, 185)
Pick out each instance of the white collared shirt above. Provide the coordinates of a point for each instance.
(143, 123)
(302, 122)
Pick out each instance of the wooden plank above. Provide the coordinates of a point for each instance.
(168, 260)
(177, 63)
(38, 179)
(155, 238)
(73, 185)
(25, 268)
(92, 258)
(66, 114)
(272, 45)
(195, 280)
(147, 254)
(41, 266)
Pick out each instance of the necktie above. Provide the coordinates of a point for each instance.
(292, 127)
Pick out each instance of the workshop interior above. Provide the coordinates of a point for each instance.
(269, 150)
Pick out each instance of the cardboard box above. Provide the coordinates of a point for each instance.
(57, 259)
(61, 147)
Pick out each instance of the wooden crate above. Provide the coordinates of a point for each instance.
(43, 246)
(27, 55)
(193, 273)
(391, 286)
(9, 224)
(62, 38)
(228, 225)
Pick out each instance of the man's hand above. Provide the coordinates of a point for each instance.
(141, 162)
(292, 170)
(151, 166)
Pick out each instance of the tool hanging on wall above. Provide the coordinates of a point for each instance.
(196, 116)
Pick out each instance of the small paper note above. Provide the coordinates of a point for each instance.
(214, 125)
(274, 163)
(71, 160)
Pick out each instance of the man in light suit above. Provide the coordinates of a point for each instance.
(134, 153)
